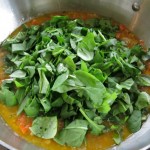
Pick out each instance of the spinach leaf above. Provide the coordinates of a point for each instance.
(85, 48)
(117, 138)
(77, 128)
(8, 97)
(96, 94)
(96, 129)
(143, 80)
(68, 99)
(44, 86)
(70, 64)
(20, 94)
(19, 47)
(57, 103)
(59, 81)
(84, 66)
(135, 120)
(67, 111)
(30, 70)
(23, 103)
(32, 107)
(86, 78)
(18, 74)
(127, 84)
(44, 127)
(99, 74)
(46, 104)
(143, 100)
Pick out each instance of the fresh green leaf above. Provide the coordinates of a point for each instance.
(96, 94)
(117, 138)
(60, 80)
(68, 99)
(78, 129)
(32, 107)
(143, 80)
(44, 86)
(143, 100)
(46, 104)
(135, 121)
(85, 48)
(84, 66)
(19, 47)
(8, 97)
(96, 129)
(18, 74)
(57, 103)
(44, 127)
(86, 78)
(127, 84)
(23, 104)
(70, 63)
(20, 94)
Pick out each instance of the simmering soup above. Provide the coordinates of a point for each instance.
(74, 81)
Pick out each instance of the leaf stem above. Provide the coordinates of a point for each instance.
(88, 119)
(102, 36)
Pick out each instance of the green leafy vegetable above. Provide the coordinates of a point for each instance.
(85, 48)
(77, 128)
(44, 86)
(78, 72)
(96, 129)
(44, 127)
(32, 108)
(8, 97)
(134, 122)
(143, 80)
(143, 100)
(18, 74)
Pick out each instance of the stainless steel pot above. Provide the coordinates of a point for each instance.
(136, 17)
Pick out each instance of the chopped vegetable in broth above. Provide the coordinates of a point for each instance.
(74, 81)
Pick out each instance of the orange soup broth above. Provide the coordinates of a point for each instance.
(92, 142)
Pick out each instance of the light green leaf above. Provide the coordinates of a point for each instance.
(85, 48)
(74, 134)
(44, 127)
(18, 74)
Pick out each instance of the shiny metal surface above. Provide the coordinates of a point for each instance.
(14, 12)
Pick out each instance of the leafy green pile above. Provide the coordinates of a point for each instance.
(78, 72)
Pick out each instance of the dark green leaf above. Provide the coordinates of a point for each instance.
(32, 107)
(8, 97)
(135, 121)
